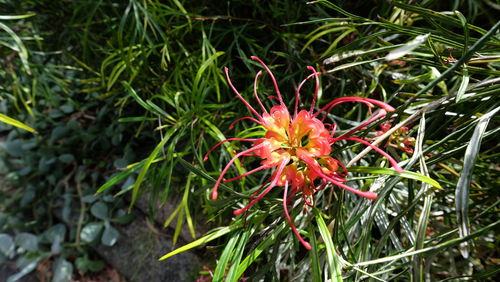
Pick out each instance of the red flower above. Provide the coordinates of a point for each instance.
(298, 147)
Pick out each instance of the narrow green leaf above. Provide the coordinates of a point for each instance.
(462, 191)
(204, 175)
(136, 97)
(219, 232)
(314, 253)
(16, 17)
(16, 123)
(122, 175)
(226, 255)
(350, 65)
(268, 241)
(389, 171)
(147, 164)
(136, 119)
(437, 247)
(406, 48)
(332, 259)
(19, 47)
(463, 85)
(232, 274)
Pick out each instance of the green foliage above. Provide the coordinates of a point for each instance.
(128, 96)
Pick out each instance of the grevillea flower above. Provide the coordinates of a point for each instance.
(298, 147)
(399, 139)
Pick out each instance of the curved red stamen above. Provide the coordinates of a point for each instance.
(253, 196)
(287, 215)
(219, 180)
(279, 171)
(245, 174)
(380, 114)
(205, 158)
(344, 168)
(313, 165)
(393, 162)
(315, 96)
(297, 92)
(272, 78)
(255, 92)
(226, 70)
(367, 101)
(231, 126)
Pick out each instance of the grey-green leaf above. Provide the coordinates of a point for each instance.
(110, 236)
(91, 231)
(99, 210)
(62, 270)
(27, 241)
(6, 245)
(462, 191)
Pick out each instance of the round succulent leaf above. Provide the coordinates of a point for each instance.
(110, 236)
(54, 233)
(27, 241)
(7, 246)
(62, 270)
(91, 231)
(99, 210)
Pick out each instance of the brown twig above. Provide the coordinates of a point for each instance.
(81, 217)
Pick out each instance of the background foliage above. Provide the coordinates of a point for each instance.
(127, 97)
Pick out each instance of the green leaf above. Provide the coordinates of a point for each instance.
(232, 274)
(84, 264)
(203, 240)
(27, 241)
(122, 175)
(332, 257)
(462, 191)
(54, 233)
(314, 253)
(389, 171)
(66, 158)
(7, 246)
(136, 97)
(224, 258)
(406, 48)
(262, 247)
(99, 210)
(62, 269)
(463, 85)
(110, 235)
(23, 54)
(27, 266)
(147, 164)
(16, 17)
(91, 231)
(16, 123)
